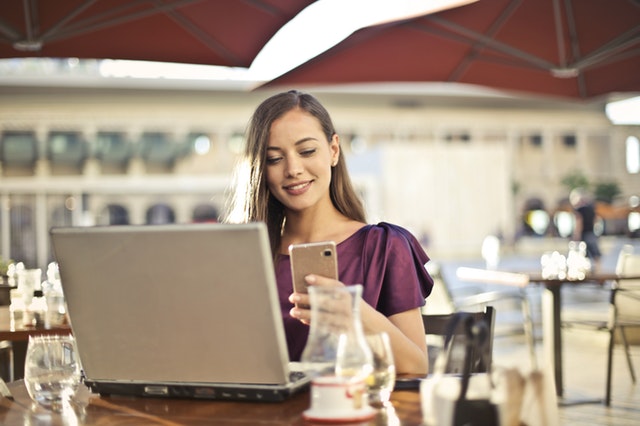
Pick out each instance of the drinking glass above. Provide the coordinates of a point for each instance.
(52, 370)
(380, 383)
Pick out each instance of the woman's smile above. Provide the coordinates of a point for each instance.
(298, 188)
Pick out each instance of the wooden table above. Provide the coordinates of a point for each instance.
(91, 409)
(19, 336)
(18, 333)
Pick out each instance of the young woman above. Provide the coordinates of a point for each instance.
(294, 179)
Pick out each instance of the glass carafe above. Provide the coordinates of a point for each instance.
(336, 344)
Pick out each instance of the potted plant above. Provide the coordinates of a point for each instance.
(4, 269)
(607, 191)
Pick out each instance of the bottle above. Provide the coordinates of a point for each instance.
(52, 289)
(35, 312)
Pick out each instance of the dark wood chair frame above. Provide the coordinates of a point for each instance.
(438, 325)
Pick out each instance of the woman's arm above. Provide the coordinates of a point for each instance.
(407, 337)
(405, 329)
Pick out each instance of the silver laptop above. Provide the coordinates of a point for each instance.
(176, 311)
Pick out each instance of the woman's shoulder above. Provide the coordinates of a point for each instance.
(388, 230)
(384, 236)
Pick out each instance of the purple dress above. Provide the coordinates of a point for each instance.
(386, 259)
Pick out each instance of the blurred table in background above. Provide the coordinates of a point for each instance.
(551, 304)
(552, 319)
(15, 338)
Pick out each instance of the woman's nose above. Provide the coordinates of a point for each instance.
(294, 168)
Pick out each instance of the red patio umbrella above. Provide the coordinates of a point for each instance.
(212, 32)
(578, 49)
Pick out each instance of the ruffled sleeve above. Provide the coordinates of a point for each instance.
(393, 269)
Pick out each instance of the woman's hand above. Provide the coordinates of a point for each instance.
(302, 310)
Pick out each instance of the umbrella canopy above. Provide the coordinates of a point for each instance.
(578, 49)
(211, 32)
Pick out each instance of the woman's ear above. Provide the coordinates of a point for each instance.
(334, 147)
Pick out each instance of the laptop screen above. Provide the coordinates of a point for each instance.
(193, 303)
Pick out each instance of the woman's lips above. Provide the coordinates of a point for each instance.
(298, 187)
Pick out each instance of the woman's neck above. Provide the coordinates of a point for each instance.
(314, 226)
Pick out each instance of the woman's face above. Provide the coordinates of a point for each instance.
(299, 160)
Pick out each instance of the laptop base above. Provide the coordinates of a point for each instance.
(230, 392)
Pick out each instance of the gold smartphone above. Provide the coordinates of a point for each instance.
(312, 258)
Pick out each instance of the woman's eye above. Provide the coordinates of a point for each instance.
(308, 152)
(273, 160)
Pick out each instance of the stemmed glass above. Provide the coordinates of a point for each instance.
(381, 381)
(52, 370)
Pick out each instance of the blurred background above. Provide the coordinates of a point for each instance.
(91, 136)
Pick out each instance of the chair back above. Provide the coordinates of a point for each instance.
(440, 300)
(627, 294)
(438, 325)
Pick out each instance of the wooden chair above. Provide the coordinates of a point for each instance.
(437, 324)
(514, 287)
(624, 312)
(507, 287)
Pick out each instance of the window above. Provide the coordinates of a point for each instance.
(458, 136)
(537, 222)
(633, 223)
(60, 213)
(569, 141)
(114, 214)
(66, 148)
(205, 213)
(112, 148)
(200, 143)
(633, 154)
(23, 231)
(156, 148)
(565, 223)
(19, 149)
(159, 214)
(535, 218)
(535, 140)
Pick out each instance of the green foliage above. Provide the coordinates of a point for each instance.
(4, 265)
(606, 191)
(575, 180)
